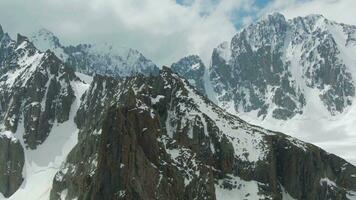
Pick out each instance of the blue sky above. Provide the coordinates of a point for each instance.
(262, 3)
(163, 30)
(238, 14)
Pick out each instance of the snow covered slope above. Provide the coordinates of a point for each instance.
(100, 58)
(158, 138)
(39, 97)
(296, 76)
(281, 68)
(65, 135)
(318, 95)
(191, 68)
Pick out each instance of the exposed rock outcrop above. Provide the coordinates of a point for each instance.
(12, 162)
(149, 140)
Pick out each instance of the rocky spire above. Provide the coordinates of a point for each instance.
(1, 32)
(21, 38)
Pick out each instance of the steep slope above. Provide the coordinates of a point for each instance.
(96, 59)
(295, 76)
(6, 45)
(142, 139)
(191, 68)
(39, 96)
(279, 67)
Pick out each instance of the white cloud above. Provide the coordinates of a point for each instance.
(162, 29)
(337, 10)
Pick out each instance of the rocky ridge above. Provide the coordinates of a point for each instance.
(143, 137)
(152, 141)
(278, 68)
(96, 59)
(37, 91)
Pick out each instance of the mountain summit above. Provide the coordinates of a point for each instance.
(292, 75)
(128, 133)
(96, 59)
(280, 68)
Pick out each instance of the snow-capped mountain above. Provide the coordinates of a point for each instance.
(279, 67)
(65, 135)
(39, 96)
(291, 75)
(191, 68)
(96, 59)
(158, 138)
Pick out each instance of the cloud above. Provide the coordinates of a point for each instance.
(163, 30)
(337, 10)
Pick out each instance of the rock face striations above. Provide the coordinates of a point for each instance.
(145, 140)
(36, 92)
(277, 67)
(191, 68)
(65, 135)
(96, 59)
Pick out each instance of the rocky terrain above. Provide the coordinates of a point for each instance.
(37, 93)
(149, 140)
(191, 68)
(292, 75)
(96, 59)
(66, 135)
(276, 67)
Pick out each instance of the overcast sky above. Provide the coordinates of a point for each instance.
(163, 30)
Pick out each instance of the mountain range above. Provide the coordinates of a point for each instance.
(291, 75)
(85, 122)
(96, 58)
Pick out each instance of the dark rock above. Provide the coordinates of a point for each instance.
(1, 32)
(133, 147)
(192, 69)
(272, 60)
(41, 92)
(11, 165)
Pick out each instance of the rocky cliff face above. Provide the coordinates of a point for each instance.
(37, 91)
(36, 87)
(278, 61)
(191, 68)
(6, 45)
(276, 67)
(96, 59)
(12, 161)
(149, 140)
(143, 137)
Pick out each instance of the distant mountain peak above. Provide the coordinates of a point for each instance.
(315, 16)
(275, 16)
(44, 31)
(45, 39)
(92, 59)
(157, 137)
(192, 68)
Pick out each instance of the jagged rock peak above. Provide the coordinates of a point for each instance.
(191, 63)
(275, 61)
(184, 144)
(192, 68)
(106, 59)
(275, 16)
(21, 39)
(44, 31)
(1, 32)
(46, 35)
(23, 42)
